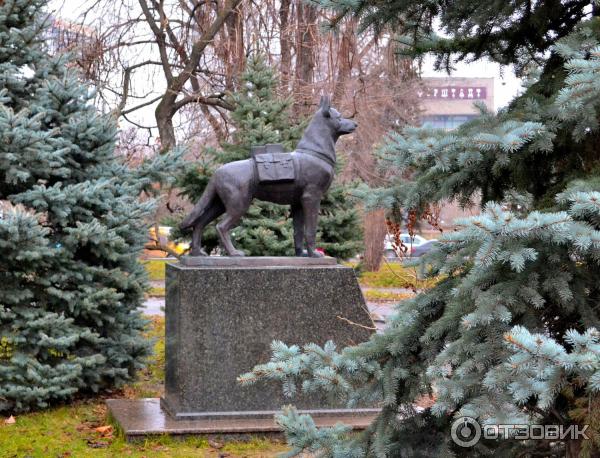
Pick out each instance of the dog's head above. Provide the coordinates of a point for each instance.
(334, 120)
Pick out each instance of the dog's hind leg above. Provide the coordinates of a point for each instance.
(201, 207)
(214, 210)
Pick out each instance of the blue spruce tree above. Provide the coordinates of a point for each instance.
(71, 228)
(511, 332)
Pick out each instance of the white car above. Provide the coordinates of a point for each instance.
(416, 245)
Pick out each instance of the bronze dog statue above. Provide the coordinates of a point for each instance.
(233, 186)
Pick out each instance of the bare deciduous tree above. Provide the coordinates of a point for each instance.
(171, 101)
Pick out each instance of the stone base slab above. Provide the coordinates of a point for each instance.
(259, 414)
(140, 418)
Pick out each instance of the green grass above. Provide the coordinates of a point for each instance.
(395, 275)
(149, 383)
(254, 447)
(157, 291)
(155, 268)
(70, 431)
(378, 295)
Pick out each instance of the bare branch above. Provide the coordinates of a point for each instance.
(160, 40)
(211, 100)
(141, 105)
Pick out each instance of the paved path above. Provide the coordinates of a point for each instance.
(154, 306)
(380, 312)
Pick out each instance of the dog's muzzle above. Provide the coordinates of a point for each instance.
(349, 127)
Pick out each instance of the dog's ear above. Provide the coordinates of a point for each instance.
(325, 105)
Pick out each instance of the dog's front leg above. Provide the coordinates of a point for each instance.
(311, 206)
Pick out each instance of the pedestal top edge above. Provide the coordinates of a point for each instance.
(255, 261)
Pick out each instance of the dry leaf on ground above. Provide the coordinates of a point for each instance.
(104, 430)
(97, 444)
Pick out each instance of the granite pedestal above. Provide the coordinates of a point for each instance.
(222, 315)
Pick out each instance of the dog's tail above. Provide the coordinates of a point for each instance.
(203, 204)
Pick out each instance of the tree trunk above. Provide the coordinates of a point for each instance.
(305, 57)
(375, 231)
(285, 45)
(346, 52)
(164, 120)
(235, 47)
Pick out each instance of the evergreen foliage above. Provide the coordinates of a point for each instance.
(71, 229)
(509, 335)
(518, 32)
(260, 117)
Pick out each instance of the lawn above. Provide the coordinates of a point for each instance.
(157, 291)
(156, 268)
(395, 275)
(83, 429)
(381, 295)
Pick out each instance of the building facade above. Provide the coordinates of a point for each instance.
(449, 102)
